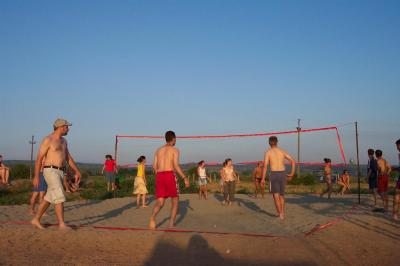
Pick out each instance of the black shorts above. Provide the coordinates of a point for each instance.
(373, 182)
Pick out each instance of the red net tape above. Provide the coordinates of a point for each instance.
(250, 135)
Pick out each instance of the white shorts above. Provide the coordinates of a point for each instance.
(55, 189)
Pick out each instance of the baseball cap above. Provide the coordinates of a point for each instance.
(61, 122)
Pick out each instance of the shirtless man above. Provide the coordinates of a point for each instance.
(166, 161)
(275, 157)
(384, 169)
(257, 177)
(328, 178)
(54, 151)
(4, 172)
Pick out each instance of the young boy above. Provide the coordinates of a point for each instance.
(383, 178)
(372, 174)
(396, 197)
(257, 177)
(37, 191)
(275, 158)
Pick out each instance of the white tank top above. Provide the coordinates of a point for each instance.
(202, 172)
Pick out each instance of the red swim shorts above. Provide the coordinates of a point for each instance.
(383, 183)
(166, 185)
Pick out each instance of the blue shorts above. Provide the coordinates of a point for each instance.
(373, 182)
(42, 184)
(110, 176)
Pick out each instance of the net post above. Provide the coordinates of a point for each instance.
(298, 147)
(358, 164)
(116, 149)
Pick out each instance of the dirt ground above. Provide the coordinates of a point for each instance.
(113, 232)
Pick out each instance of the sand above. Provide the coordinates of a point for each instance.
(356, 236)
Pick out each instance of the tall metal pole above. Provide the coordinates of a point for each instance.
(116, 149)
(298, 147)
(358, 166)
(32, 142)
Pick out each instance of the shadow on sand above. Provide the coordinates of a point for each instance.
(184, 206)
(199, 252)
(102, 217)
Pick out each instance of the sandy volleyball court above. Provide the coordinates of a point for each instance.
(316, 232)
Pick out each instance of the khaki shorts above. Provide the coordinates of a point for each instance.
(55, 188)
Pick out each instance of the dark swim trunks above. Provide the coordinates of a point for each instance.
(373, 182)
(278, 182)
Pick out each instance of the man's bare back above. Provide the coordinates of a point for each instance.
(275, 157)
(164, 159)
(383, 167)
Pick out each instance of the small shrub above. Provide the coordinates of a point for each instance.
(19, 171)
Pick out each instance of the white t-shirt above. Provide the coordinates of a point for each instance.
(202, 172)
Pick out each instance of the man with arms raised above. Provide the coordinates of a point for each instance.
(275, 157)
(166, 161)
(54, 155)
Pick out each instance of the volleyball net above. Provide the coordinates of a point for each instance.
(244, 149)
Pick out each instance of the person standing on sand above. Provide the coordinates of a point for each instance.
(229, 176)
(110, 169)
(396, 196)
(140, 183)
(257, 177)
(384, 170)
(221, 178)
(166, 161)
(275, 157)
(328, 178)
(40, 191)
(372, 174)
(4, 172)
(202, 174)
(53, 156)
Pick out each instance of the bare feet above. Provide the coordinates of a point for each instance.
(144, 206)
(63, 226)
(171, 224)
(152, 224)
(281, 216)
(35, 222)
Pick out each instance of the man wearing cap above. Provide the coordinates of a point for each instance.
(54, 155)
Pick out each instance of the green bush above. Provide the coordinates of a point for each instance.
(19, 171)
(306, 179)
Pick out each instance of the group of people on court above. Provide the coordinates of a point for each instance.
(53, 156)
(378, 176)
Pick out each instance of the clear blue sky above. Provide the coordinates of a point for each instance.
(199, 67)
